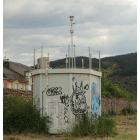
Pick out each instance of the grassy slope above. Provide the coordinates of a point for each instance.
(126, 126)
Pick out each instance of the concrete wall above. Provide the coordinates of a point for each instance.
(66, 93)
(117, 104)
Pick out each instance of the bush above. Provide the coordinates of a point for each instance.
(20, 115)
(112, 90)
(94, 126)
(128, 110)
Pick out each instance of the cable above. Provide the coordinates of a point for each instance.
(94, 50)
(54, 46)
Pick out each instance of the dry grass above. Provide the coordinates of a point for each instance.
(126, 126)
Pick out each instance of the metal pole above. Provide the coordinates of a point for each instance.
(42, 57)
(72, 45)
(99, 62)
(74, 56)
(82, 63)
(34, 58)
(71, 31)
(41, 51)
(89, 58)
(75, 61)
(69, 54)
(66, 61)
(48, 61)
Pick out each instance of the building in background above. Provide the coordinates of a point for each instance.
(19, 72)
(13, 80)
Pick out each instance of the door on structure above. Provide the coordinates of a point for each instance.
(58, 114)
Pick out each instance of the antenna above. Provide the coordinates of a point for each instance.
(71, 31)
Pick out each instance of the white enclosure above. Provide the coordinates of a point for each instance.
(65, 93)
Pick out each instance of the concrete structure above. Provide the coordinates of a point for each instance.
(42, 63)
(66, 93)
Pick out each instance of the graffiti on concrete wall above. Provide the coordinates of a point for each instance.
(64, 100)
(60, 116)
(54, 91)
(95, 99)
(77, 99)
(66, 119)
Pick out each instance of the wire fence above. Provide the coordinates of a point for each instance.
(57, 53)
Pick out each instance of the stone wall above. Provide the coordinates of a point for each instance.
(107, 103)
(117, 104)
(7, 92)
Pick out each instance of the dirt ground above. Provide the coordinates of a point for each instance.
(126, 129)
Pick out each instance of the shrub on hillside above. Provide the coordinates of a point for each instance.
(20, 115)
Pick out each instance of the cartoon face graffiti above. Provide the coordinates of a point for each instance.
(78, 99)
(95, 99)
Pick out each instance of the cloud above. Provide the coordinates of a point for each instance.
(106, 26)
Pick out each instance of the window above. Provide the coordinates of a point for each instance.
(21, 86)
(28, 75)
(10, 85)
(16, 85)
(4, 85)
(28, 87)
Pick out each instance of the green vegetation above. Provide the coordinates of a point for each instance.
(20, 115)
(92, 126)
(126, 130)
(126, 64)
(128, 110)
(128, 82)
(112, 90)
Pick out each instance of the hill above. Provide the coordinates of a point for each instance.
(120, 69)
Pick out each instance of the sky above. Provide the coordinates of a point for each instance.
(108, 26)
